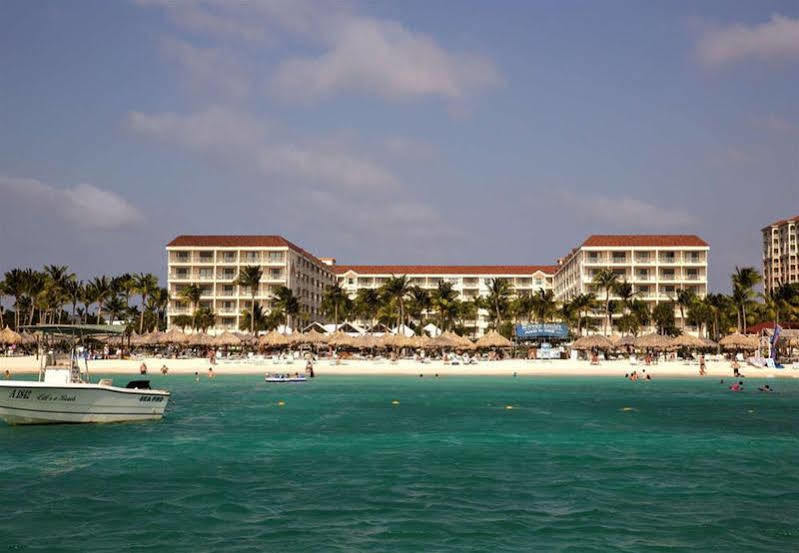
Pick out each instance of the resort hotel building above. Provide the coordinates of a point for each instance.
(657, 266)
(213, 263)
(469, 281)
(780, 262)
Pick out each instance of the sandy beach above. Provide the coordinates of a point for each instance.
(522, 367)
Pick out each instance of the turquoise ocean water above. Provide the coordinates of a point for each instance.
(688, 466)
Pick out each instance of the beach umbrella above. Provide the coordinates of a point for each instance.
(273, 339)
(226, 339)
(138, 339)
(339, 339)
(174, 336)
(737, 340)
(364, 341)
(595, 341)
(709, 343)
(200, 339)
(461, 341)
(27, 338)
(153, 338)
(688, 341)
(8, 336)
(652, 341)
(623, 341)
(493, 339)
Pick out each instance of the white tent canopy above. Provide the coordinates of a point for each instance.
(431, 330)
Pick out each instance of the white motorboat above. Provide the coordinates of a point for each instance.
(64, 393)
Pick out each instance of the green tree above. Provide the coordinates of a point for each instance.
(685, 298)
(101, 291)
(145, 284)
(498, 298)
(287, 303)
(15, 286)
(663, 315)
(544, 305)
(419, 303)
(743, 281)
(395, 290)
(445, 301)
(334, 300)
(607, 280)
(367, 303)
(182, 321)
(250, 277)
(192, 294)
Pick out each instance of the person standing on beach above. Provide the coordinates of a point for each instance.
(702, 367)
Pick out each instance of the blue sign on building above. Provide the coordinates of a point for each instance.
(557, 331)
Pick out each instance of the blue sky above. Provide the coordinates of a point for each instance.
(404, 132)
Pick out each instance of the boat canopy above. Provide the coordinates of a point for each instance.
(76, 330)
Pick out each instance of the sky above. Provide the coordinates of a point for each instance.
(393, 132)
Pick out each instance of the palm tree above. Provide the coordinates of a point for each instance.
(397, 288)
(444, 300)
(743, 280)
(524, 306)
(101, 292)
(685, 298)
(35, 283)
(783, 299)
(15, 286)
(250, 277)
(544, 305)
(115, 306)
(607, 280)
(3, 292)
(498, 295)
(583, 304)
(333, 300)
(192, 294)
(367, 303)
(287, 303)
(145, 284)
(419, 304)
(74, 291)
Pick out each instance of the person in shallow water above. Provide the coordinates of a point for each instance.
(737, 387)
(766, 388)
(164, 369)
(196, 376)
(143, 369)
(7, 374)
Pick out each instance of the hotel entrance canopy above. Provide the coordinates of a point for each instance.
(542, 331)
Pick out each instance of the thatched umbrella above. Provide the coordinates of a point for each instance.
(8, 336)
(28, 338)
(151, 339)
(687, 341)
(311, 337)
(460, 341)
(200, 339)
(273, 339)
(226, 339)
(339, 339)
(653, 341)
(138, 339)
(443, 341)
(737, 340)
(709, 343)
(493, 339)
(623, 341)
(174, 336)
(595, 341)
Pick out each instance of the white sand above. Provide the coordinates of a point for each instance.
(522, 367)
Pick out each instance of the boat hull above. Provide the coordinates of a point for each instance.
(28, 402)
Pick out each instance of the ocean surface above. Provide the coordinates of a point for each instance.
(417, 465)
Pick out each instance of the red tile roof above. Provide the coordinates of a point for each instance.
(445, 269)
(236, 241)
(644, 240)
(782, 222)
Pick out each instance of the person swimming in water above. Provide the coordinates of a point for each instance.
(737, 387)
(766, 388)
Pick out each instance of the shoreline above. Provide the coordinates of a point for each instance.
(406, 367)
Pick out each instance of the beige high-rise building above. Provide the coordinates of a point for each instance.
(213, 263)
(469, 281)
(657, 266)
(780, 256)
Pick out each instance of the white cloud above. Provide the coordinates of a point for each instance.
(214, 69)
(626, 212)
(777, 38)
(236, 138)
(384, 58)
(83, 205)
(358, 53)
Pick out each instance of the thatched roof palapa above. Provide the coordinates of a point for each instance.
(653, 341)
(273, 339)
(623, 341)
(226, 339)
(174, 336)
(340, 339)
(8, 336)
(688, 341)
(595, 341)
(737, 340)
(493, 339)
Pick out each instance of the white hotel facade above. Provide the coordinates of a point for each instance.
(213, 263)
(656, 265)
(469, 281)
(780, 253)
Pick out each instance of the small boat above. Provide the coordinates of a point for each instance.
(283, 379)
(64, 394)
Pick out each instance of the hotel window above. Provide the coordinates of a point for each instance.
(205, 273)
(182, 256)
(206, 256)
(667, 257)
(182, 273)
(642, 257)
(692, 274)
(668, 274)
(275, 257)
(539, 282)
(643, 274)
(251, 257)
(593, 257)
(668, 290)
(229, 257)
(693, 257)
(619, 257)
(229, 273)
(227, 290)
